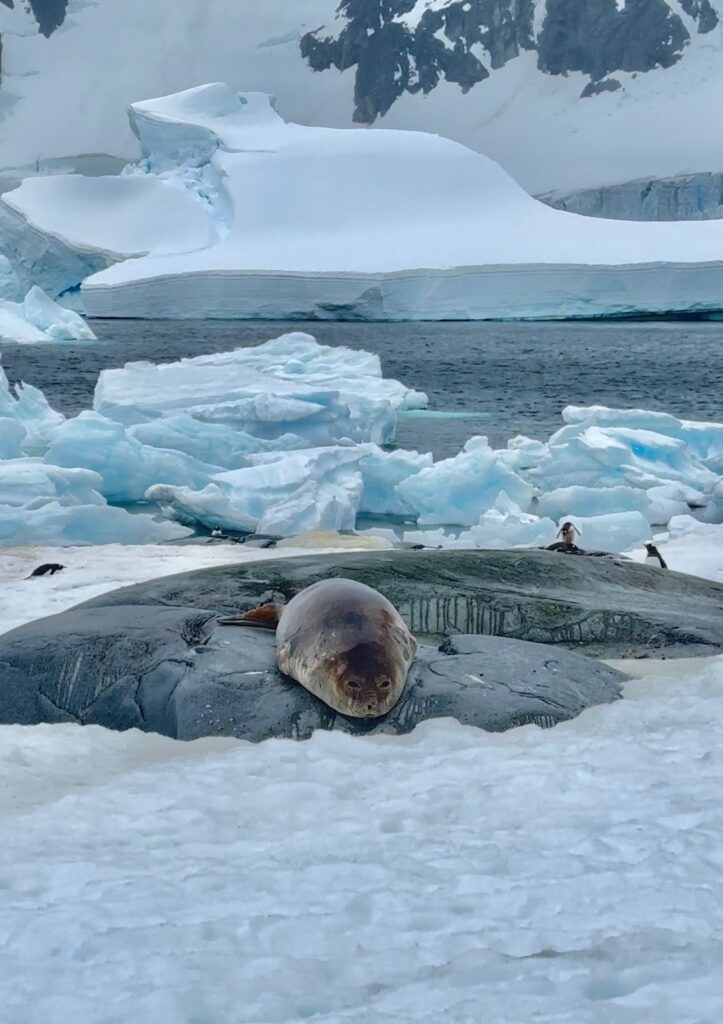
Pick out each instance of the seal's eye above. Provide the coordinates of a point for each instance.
(354, 687)
(384, 685)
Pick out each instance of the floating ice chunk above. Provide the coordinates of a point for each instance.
(56, 322)
(657, 503)
(507, 526)
(30, 482)
(126, 467)
(280, 492)
(382, 471)
(523, 453)
(42, 504)
(704, 440)
(56, 524)
(457, 491)
(614, 532)
(289, 386)
(614, 456)
(38, 319)
(565, 502)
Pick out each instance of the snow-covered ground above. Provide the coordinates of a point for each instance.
(567, 875)
(91, 571)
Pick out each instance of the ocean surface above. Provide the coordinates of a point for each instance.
(499, 379)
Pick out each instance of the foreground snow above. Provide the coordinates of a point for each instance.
(436, 231)
(568, 875)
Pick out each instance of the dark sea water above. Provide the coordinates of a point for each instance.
(507, 378)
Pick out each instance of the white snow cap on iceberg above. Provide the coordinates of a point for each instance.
(297, 221)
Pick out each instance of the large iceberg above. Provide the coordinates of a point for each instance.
(435, 230)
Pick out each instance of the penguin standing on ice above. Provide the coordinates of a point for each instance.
(654, 557)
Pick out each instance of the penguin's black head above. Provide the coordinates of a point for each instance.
(652, 550)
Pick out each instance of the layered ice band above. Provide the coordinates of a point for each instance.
(501, 292)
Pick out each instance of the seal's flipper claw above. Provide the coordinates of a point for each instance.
(265, 617)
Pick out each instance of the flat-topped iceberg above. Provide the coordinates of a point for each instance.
(282, 220)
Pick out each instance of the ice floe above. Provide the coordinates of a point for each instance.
(39, 319)
(233, 212)
(291, 436)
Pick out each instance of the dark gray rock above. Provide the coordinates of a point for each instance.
(175, 672)
(153, 657)
(610, 607)
(464, 41)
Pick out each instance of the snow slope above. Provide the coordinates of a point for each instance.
(665, 72)
(290, 243)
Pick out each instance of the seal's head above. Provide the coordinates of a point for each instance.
(365, 681)
(348, 645)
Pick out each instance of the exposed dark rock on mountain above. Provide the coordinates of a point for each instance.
(464, 41)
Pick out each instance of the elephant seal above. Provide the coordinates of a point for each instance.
(343, 641)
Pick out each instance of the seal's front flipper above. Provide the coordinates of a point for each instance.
(264, 617)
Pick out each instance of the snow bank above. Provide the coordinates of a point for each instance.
(280, 238)
(556, 872)
(38, 319)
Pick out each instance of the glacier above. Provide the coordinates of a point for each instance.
(290, 437)
(273, 234)
(526, 110)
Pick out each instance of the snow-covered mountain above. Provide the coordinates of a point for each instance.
(565, 94)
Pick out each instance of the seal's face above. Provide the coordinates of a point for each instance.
(347, 645)
(367, 680)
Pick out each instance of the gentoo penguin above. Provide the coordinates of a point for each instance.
(47, 569)
(567, 533)
(216, 532)
(654, 557)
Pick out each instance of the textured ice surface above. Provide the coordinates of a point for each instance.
(282, 493)
(288, 386)
(44, 504)
(9, 283)
(126, 467)
(278, 237)
(458, 490)
(561, 874)
(57, 230)
(38, 319)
